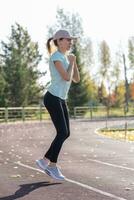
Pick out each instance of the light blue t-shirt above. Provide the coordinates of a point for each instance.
(58, 87)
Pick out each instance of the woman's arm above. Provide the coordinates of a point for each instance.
(76, 74)
(66, 75)
(72, 71)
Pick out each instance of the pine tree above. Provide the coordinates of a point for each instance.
(78, 94)
(20, 60)
(2, 86)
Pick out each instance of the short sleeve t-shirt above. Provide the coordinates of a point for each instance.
(58, 87)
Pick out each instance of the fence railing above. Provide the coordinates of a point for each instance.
(40, 113)
(94, 112)
(23, 113)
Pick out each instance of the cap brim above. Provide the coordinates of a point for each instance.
(72, 38)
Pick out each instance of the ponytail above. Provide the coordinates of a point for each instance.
(49, 45)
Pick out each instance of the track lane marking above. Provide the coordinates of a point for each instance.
(77, 183)
(110, 164)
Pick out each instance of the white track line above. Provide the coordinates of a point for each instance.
(112, 165)
(78, 183)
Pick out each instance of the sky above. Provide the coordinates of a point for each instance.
(110, 20)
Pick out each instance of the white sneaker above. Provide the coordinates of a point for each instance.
(42, 164)
(55, 173)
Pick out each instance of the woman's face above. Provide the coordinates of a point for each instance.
(65, 44)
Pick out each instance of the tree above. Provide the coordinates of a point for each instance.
(122, 61)
(102, 93)
(116, 69)
(105, 61)
(131, 56)
(131, 51)
(126, 84)
(20, 60)
(87, 53)
(132, 91)
(119, 94)
(104, 70)
(2, 85)
(68, 21)
(78, 94)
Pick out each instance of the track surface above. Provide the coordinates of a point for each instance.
(96, 167)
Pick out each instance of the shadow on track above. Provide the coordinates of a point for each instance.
(25, 189)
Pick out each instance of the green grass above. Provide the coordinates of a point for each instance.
(113, 112)
(120, 134)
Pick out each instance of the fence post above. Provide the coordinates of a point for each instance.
(6, 114)
(23, 114)
(75, 112)
(125, 130)
(40, 113)
(91, 113)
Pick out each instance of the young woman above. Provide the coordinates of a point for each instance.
(63, 69)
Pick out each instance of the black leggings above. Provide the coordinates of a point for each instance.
(57, 109)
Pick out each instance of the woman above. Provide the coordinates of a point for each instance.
(63, 69)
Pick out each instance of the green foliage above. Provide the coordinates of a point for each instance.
(131, 57)
(68, 21)
(78, 94)
(102, 94)
(2, 87)
(105, 60)
(131, 91)
(119, 95)
(131, 51)
(20, 60)
(105, 73)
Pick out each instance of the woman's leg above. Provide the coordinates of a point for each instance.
(59, 115)
(65, 109)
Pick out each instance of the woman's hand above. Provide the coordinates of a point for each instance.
(76, 75)
(72, 59)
